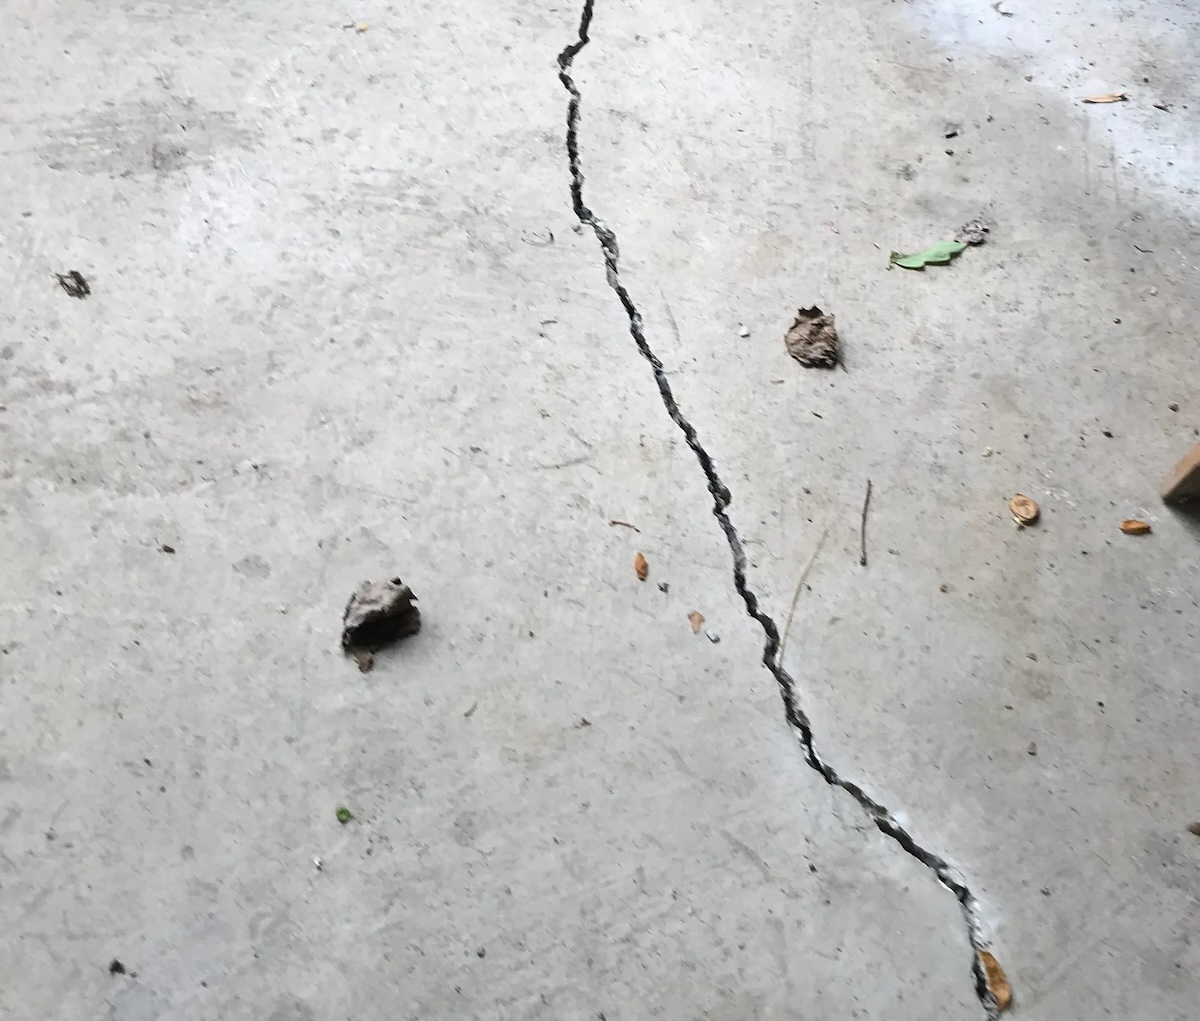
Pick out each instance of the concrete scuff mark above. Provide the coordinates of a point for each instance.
(795, 715)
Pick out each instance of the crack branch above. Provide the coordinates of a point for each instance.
(796, 717)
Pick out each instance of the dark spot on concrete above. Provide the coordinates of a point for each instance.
(253, 566)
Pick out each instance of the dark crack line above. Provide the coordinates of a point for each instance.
(796, 717)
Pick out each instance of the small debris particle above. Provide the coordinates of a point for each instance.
(362, 27)
(1024, 510)
(695, 618)
(640, 567)
(997, 981)
(1106, 97)
(951, 130)
(74, 283)
(986, 452)
(115, 967)
(1107, 433)
(1164, 107)
(1032, 656)
(164, 548)
(1194, 829)
(1045, 891)
(1153, 292)
(319, 864)
(1172, 407)
(664, 587)
(973, 232)
(624, 524)
(1132, 526)
(713, 637)
(470, 711)
(344, 815)
(943, 587)
(481, 952)
(583, 722)
(812, 339)
(744, 332)
(364, 659)
(1117, 320)
(1032, 749)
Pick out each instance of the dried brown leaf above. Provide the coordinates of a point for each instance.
(1106, 97)
(1132, 526)
(812, 339)
(696, 619)
(641, 567)
(997, 981)
(1024, 510)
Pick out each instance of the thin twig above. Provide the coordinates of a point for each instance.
(862, 560)
(796, 594)
(618, 521)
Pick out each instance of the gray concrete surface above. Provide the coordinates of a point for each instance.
(345, 323)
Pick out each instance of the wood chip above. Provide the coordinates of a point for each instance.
(696, 619)
(641, 567)
(1106, 97)
(1132, 526)
(1024, 510)
(997, 981)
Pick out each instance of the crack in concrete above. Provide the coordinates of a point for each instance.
(796, 717)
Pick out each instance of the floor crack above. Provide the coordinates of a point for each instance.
(796, 717)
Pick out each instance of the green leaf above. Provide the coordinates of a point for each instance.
(344, 815)
(942, 252)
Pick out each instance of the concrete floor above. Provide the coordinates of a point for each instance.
(345, 322)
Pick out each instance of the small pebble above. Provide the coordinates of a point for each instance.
(1153, 291)
(987, 452)
(744, 332)
(1117, 321)
(1032, 749)
(712, 636)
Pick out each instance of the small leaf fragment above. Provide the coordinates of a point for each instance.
(1024, 510)
(641, 567)
(696, 619)
(942, 252)
(997, 981)
(1106, 97)
(344, 815)
(1132, 526)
